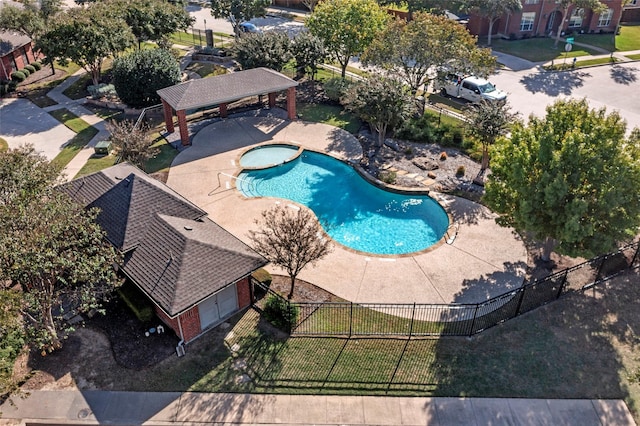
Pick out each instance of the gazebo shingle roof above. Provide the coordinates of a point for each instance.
(224, 88)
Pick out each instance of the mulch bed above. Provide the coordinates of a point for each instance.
(131, 347)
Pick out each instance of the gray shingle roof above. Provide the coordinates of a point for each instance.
(175, 254)
(180, 261)
(10, 41)
(224, 88)
(128, 198)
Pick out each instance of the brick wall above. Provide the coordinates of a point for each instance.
(244, 293)
(190, 322)
(7, 64)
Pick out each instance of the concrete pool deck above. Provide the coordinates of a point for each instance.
(485, 260)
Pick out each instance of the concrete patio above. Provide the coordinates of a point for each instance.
(485, 260)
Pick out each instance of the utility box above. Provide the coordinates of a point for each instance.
(102, 148)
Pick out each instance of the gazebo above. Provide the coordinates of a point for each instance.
(221, 90)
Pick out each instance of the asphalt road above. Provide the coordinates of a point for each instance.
(615, 87)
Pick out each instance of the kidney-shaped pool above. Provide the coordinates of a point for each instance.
(352, 211)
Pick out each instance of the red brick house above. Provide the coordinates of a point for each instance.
(16, 51)
(631, 12)
(543, 17)
(194, 272)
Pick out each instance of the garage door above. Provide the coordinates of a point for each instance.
(218, 306)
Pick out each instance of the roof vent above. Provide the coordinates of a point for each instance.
(188, 228)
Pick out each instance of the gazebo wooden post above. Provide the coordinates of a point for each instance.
(272, 99)
(168, 116)
(291, 103)
(182, 125)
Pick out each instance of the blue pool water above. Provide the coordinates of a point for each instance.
(268, 156)
(352, 211)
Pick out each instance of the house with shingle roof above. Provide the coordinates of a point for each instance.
(16, 49)
(194, 272)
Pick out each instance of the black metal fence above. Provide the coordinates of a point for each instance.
(385, 319)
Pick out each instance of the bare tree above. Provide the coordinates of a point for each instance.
(132, 143)
(290, 239)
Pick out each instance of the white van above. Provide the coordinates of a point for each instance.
(471, 88)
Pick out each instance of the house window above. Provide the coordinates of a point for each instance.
(526, 23)
(605, 18)
(575, 21)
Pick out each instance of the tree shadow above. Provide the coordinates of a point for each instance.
(463, 211)
(554, 83)
(623, 75)
(578, 346)
(345, 144)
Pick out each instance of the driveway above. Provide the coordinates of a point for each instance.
(485, 260)
(22, 122)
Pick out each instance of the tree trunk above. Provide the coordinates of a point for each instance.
(53, 68)
(344, 68)
(485, 158)
(490, 31)
(565, 12)
(50, 326)
(547, 248)
(293, 283)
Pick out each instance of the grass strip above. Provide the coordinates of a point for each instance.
(329, 114)
(85, 132)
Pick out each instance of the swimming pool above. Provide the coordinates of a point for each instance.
(352, 211)
(270, 155)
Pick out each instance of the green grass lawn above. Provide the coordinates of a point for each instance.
(159, 163)
(329, 114)
(206, 69)
(634, 57)
(85, 132)
(580, 346)
(538, 49)
(629, 38)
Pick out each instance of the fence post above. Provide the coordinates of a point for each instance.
(473, 323)
(523, 289)
(564, 282)
(413, 313)
(635, 256)
(350, 318)
(604, 259)
(289, 316)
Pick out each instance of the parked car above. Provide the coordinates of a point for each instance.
(471, 88)
(248, 27)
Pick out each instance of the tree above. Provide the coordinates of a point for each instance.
(290, 239)
(564, 5)
(238, 11)
(492, 10)
(487, 121)
(309, 52)
(138, 75)
(570, 179)
(24, 19)
(151, 20)
(131, 142)
(382, 102)
(310, 4)
(346, 27)
(63, 262)
(271, 50)
(411, 50)
(86, 37)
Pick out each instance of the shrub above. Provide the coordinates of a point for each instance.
(270, 50)
(26, 72)
(279, 312)
(334, 88)
(18, 76)
(37, 65)
(388, 177)
(136, 301)
(443, 156)
(138, 75)
(460, 171)
(31, 68)
(263, 276)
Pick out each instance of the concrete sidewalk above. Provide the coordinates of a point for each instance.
(167, 408)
